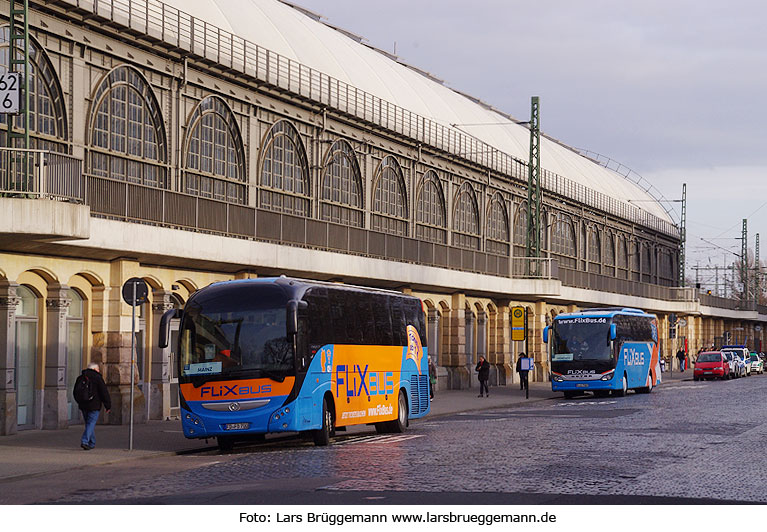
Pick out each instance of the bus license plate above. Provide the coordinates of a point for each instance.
(236, 426)
(584, 385)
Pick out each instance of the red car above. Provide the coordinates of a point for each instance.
(710, 365)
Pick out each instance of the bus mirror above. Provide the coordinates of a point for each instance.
(292, 317)
(164, 338)
(546, 335)
(613, 331)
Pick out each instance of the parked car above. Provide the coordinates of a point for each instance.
(756, 363)
(711, 365)
(737, 368)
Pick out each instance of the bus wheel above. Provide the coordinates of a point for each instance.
(400, 424)
(225, 443)
(322, 436)
(624, 388)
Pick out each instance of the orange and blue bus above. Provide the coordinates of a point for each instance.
(602, 351)
(273, 355)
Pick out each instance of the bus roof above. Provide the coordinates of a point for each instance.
(605, 312)
(295, 281)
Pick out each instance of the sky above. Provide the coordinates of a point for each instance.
(673, 90)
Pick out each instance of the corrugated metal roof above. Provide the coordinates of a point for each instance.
(301, 35)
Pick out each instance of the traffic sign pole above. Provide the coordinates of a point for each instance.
(132, 357)
(134, 293)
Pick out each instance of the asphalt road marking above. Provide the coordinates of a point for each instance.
(385, 439)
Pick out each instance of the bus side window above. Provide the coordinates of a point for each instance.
(318, 312)
(399, 326)
(382, 319)
(364, 312)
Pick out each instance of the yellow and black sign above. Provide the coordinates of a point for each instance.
(518, 324)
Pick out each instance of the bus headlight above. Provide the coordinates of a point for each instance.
(608, 376)
(557, 378)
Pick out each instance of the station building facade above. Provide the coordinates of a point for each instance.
(155, 158)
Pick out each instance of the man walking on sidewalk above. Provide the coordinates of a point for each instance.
(91, 393)
(483, 374)
(522, 372)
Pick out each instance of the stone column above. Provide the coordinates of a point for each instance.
(117, 348)
(500, 343)
(434, 346)
(159, 388)
(470, 360)
(482, 345)
(55, 413)
(537, 349)
(454, 347)
(8, 303)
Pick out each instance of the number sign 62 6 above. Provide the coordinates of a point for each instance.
(10, 92)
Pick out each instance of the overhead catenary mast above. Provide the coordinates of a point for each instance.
(533, 241)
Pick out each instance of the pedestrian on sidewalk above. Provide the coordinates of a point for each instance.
(483, 374)
(680, 357)
(522, 372)
(90, 392)
(432, 378)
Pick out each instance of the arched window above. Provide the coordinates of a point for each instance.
(27, 313)
(430, 211)
(497, 227)
(389, 199)
(127, 136)
(635, 260)
(563, 241)
(520, 230)
(341, 190)
(595, 250)
(215, 156)
(622, 258)
(47, 115)
(666, 267)
(609, 254)
(466, 219)
(284, 171)
(647, 266)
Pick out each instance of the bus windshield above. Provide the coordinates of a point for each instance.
(581, 339)
(238, 332)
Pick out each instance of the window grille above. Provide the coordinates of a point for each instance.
(284, 185)
(215, 156)
(341, 192)
(390, 199)
(431, 224)
(127, 134)
(47, 114)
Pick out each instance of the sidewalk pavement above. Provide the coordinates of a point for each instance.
(39, 452)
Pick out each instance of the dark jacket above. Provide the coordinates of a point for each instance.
(101, 397)
(484, 370)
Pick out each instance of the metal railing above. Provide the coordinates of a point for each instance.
(133, 202)
(39, 173)
(607, 283)
(192, 35)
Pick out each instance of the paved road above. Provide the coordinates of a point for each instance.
(685, 442)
